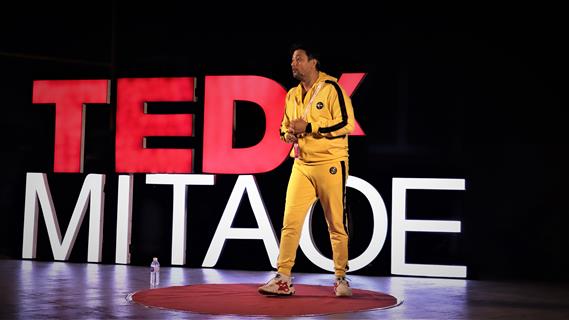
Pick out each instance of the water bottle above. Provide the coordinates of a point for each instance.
(154, 272)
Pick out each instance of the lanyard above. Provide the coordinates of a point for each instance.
(296, 147)
(307, 108)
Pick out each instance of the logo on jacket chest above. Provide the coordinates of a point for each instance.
(319, 105)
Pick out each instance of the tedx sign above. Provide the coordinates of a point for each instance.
(175, 167)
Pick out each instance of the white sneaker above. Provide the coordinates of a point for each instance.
(342, 287)
(280, 285)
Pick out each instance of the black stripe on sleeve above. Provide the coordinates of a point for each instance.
(342, 108)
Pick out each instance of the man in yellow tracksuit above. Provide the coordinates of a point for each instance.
(317, 120)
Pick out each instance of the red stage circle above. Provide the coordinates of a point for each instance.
(243, 299)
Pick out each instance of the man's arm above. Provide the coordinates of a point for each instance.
(286, 136)
(342, 121)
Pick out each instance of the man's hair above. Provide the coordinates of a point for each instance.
(311, 51)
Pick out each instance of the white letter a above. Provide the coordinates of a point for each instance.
(224, 230)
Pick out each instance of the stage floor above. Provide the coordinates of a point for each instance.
(42, 290)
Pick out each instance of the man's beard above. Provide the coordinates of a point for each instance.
(297, 75)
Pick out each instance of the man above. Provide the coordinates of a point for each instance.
(317, 120)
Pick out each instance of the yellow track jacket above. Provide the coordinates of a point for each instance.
(330, 118)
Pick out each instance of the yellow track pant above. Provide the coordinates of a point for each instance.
(307, 183)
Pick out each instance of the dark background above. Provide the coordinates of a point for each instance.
(474, 93)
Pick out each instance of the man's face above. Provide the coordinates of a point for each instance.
(300, 64)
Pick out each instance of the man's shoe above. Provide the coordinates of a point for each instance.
(342, 287)
(280, 285)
